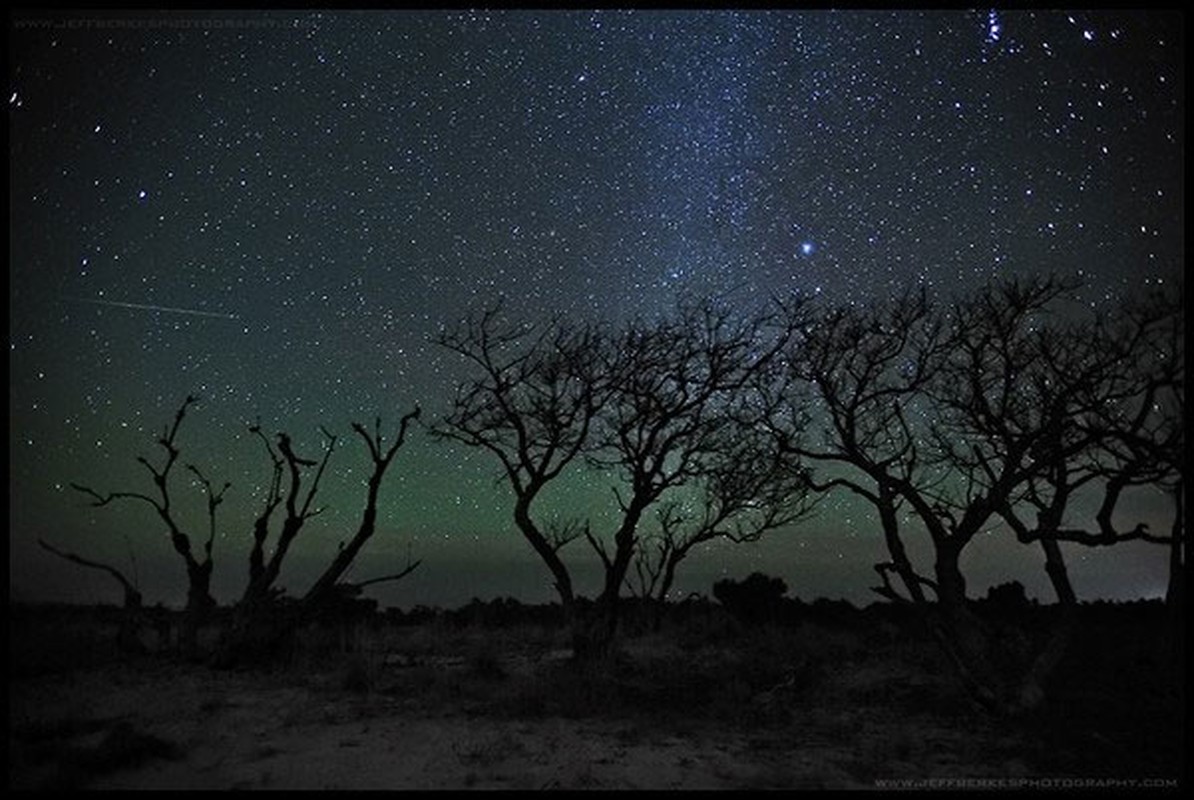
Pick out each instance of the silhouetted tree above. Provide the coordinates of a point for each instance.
(739, 500)
(681, 417)
(531, 405)
(744, 488)
(1027, 394)
(755, 599)
(285, 463)
(1014, 379)
(259, 622)
(1114, 390)
(860, 374)
(199, 599)
(1143, 435)
(132, 595)
(660, 405)
(330, 581)
(1159, 437)
(126, 637)
(959, 416)
(261, 625)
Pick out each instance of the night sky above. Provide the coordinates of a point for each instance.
(278, 212)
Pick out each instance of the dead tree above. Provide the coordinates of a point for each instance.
(199, 599)
(531, 405)
(939, 414)
(653, 405)
(262, 622)
(329, 581)
(858, 375)
(127, 638)
(745, 489)
(263, 573)
(678, 418)
(132, 595)
(259, 622)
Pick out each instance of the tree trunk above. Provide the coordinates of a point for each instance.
(199, 605)
(659, 602)
(1059, 576)
(963, 635)
(895, 546)
(951, 584)
(559, 572)
(1031, 691)
(604, 625)
(326, 583)
(1175, 592)
(1012, 688)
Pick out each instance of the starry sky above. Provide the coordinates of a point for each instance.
(279, 211)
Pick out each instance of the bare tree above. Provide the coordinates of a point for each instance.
(258, 618)
(964, 418)
(1021, 378)
(1046, 404)
(260, 624)
(199, 599)
(1096, 422)
(1143, 436)
(744, 488)
(867, 376)
(859, 374)
(658, 405)
(999, 399)
(329, 582)
(132, 595)
(684, 525)
(1116, 421)
(531, 405)
(679, 416)
(299, 508)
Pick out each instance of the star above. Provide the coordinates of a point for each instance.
(365, 184)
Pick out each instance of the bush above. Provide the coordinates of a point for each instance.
(1008, 596)
(753, 601)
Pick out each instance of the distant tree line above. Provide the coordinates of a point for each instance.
(992, 411)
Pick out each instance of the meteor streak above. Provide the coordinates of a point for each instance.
(168, 309)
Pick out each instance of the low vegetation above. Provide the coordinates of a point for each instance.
(867, 690)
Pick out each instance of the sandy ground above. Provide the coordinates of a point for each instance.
(439, 706)
(242, 731)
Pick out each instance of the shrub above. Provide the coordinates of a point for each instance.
(755, 600)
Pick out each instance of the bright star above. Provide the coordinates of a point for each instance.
(807, 248)
(993, 26)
